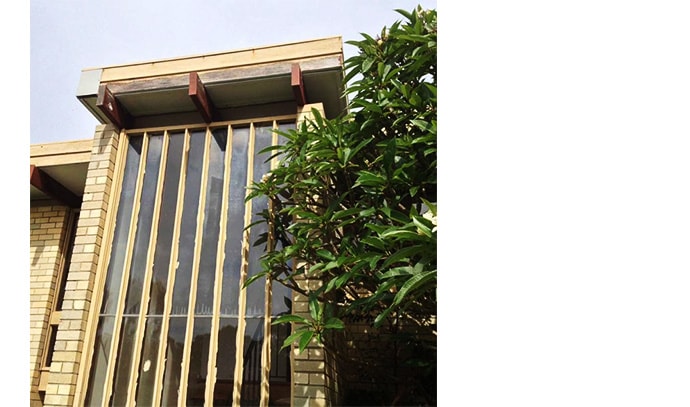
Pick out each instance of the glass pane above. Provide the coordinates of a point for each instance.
(281, 296)
(255, 291)
(279, 377)
(149, 361)
(284, 127)
(188, 226)
(123, 365)
(173, 361)
(236, 205)
(124, 214)
(165, 225)
(251, 372)
(209, 247)
(99, 362)
(225, 362)
(198, 362)
(143, 231)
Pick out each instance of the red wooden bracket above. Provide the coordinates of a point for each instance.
(110, 106)
(197, 91)
(298, 85)
(49, 186)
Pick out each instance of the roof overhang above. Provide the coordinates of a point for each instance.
(58, 171)
(209, 87)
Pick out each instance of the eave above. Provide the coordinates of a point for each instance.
(58, 171)
(130, 95)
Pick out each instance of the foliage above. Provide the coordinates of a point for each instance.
(354, 198)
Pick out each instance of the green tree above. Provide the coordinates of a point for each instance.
(354, 197)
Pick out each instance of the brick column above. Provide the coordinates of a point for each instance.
(313, 372)
(48, 230)
(64, 372)
(308, 367)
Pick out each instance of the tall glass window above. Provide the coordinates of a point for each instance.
(173, 312)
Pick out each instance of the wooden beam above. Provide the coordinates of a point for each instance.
(49, 186)
(298, 85)
(197, 91)
(227, 75)
(110, 106)
(250, 56)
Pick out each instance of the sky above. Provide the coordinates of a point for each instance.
(564, 172)
(69, 36)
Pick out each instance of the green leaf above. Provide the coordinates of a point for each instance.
(289, 318)
(374, 242)
(254, 278)
(325, 254)
(403, 254)
(412, 284)
(422, 124)
(314, 308)
(398, 271)
(292, 338)
(421, 226)
(381, 317)
(400, 234)
(334, 323)
(366, 65)
(305, 339)
(345, 213)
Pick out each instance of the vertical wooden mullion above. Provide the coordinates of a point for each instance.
(108, 385)
(172, 269)
(220, 259)
(148, 271)
(182, 398)
(102, 267)
(266, 351)
(242, 300)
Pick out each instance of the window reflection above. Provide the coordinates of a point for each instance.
(166, 287)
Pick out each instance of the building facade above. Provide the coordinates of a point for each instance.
(139, 238)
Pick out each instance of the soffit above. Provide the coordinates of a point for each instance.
(256, 76)
(64, 162)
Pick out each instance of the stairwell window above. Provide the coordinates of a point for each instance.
(174, 327)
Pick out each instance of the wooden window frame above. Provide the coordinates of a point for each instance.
(104, 260)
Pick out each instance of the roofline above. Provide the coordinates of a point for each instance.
(210, 54)
(218, 60)
(61, 153)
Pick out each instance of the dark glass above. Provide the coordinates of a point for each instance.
(99, 363)
(225, 362)
(125, 357)
(188, 226)
(124, 215)
(255, 291)
(143, 231)
(279, 376)
(161, 262)
(173, 361)
(211, 230)
(233, 240)
(149, 361)
(198, 361)
(251, 372)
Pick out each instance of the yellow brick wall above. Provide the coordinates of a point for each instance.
(315, 382)
(48, 228)
(65, 370)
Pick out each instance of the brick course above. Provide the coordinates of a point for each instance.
(63, 383)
